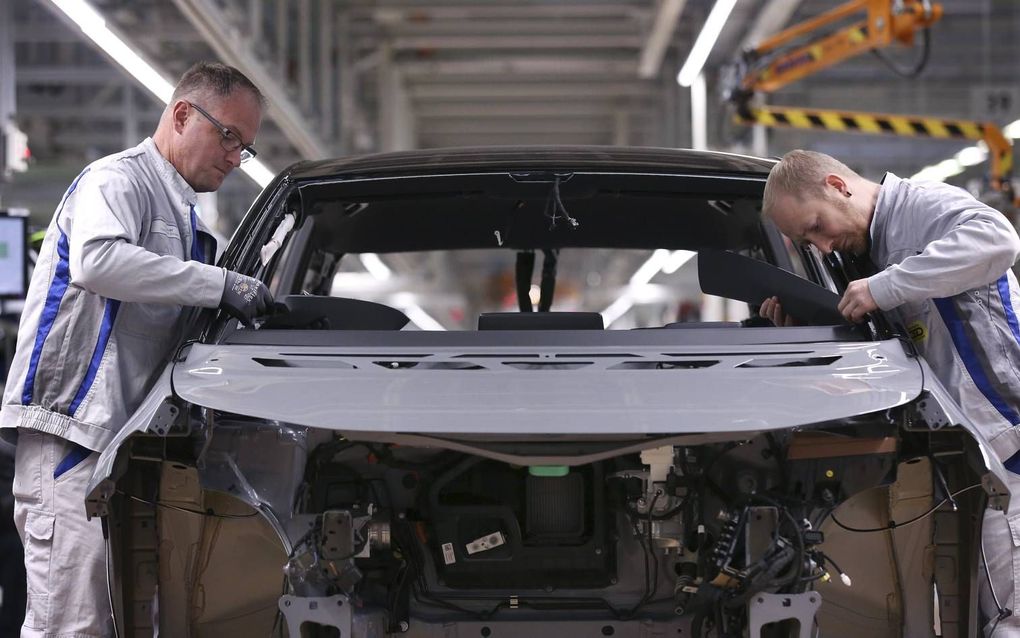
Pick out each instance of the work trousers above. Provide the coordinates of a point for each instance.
(65, 553)
(1000, 539)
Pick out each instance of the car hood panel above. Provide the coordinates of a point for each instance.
(642, 390)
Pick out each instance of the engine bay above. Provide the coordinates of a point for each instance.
(692, 533)
(732, 536)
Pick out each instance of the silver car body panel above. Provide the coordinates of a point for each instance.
(940, 410)
(541, 390)
(101, 486)
(359, 392)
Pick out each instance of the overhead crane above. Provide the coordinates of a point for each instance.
(849, 30)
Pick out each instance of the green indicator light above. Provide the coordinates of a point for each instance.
(548, 470)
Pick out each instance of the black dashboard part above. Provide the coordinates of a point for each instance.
(540, 321)
(549, 532)
(554, 509)
(523, 270)
(734, 276)
(333, 313)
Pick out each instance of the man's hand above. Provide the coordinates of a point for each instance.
(773, 311)
(857, 301)
(245, 297)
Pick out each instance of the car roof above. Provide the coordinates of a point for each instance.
(523, 158)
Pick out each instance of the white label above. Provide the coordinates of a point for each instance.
(448, 556)
(485, 543)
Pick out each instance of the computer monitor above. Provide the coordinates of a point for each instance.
(13, 256)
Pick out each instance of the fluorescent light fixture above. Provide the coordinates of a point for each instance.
(1012, 130)
(94, 27)
(939, 172)
(374, 265)
(421, 318)
(258, 172)
(677, 259)
(650, 268)
(534, 294)
(659, 39)
(662, 260)
(617, 309)
(972, 155)
(699, 114)
(706, 40)
(348, 282)
(407, 302)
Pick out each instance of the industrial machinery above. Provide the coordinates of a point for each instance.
(847, 31)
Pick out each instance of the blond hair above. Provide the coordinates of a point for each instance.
(802, 174)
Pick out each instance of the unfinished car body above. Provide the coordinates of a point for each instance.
(331, 472)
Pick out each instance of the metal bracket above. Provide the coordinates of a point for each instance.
(334, 611)
(765, 609)
(337, 535)
(98, 502)
(998, 494)
(932, 412)
(164, 418)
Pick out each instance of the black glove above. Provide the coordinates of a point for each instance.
(245, 297)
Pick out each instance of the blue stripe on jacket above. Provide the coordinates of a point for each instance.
(61, 277)
(970, 359)
(1012, 463)
(197, 254)
(1007, 307)
(109, 316)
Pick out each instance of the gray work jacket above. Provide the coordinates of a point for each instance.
(946, 260)
(119, 263)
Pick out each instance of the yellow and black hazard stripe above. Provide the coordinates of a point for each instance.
(864, 123)
(879, 123)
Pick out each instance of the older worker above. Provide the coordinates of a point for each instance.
(125, 253)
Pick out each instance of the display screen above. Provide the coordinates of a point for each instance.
(13, 247)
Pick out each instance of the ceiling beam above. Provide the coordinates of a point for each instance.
(543, 126)
(504, 42)
(66, 74)
(75, 111)
(570, 109)
(35, 33)
(659, 37)
(770, 20)
(538, 90)
(501, 26)
(599, 66)
(389, 12)
(598, 137)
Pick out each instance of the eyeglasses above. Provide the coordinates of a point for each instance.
(230, 141)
